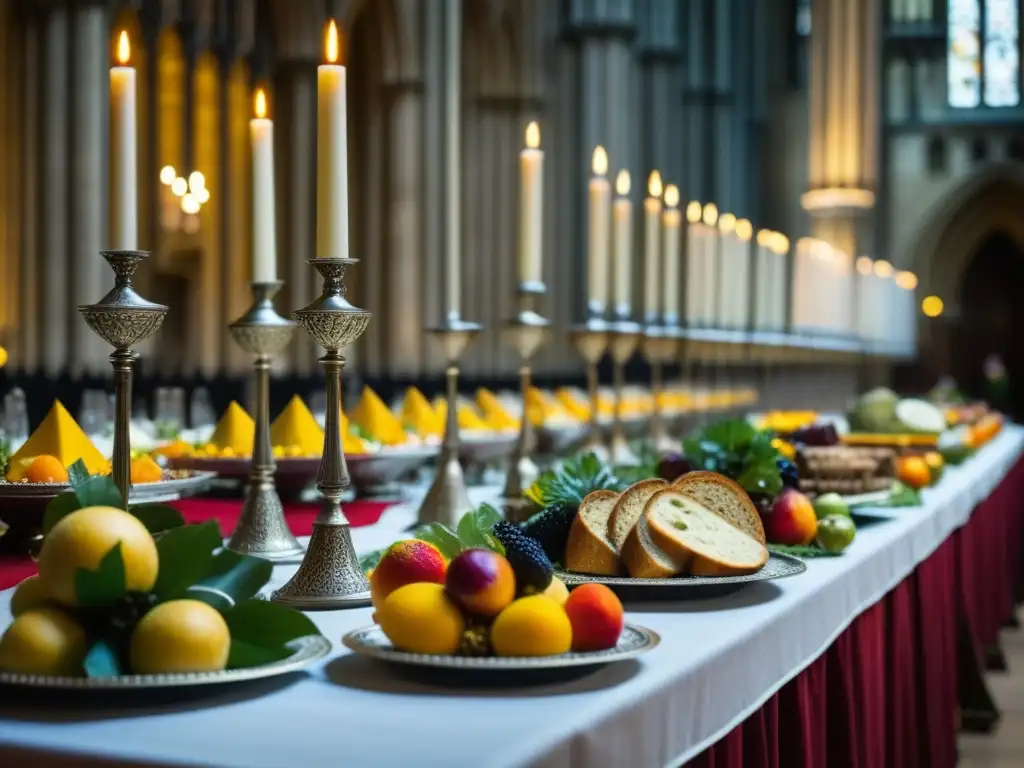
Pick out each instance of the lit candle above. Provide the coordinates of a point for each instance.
(844, 321)
(332, 154)
(531, 202)
(865, 296)
(264, 230)
(779, 272)
(725, 269)
(671, 221)
(652, 250)
(799, 281)
(763, 279)
(600, 204)
(744, 234)
(694, 262)
(622, 234)
(124, 217)
(709, 272)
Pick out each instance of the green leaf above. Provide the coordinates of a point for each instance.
(369, 561)
(902, 496)
(468, 534)
(732, 434)
(157, 517)
(232, 578)
(243, 654)
(77, 473)
(99, 491)
(101, 660)
(267, 624)
(802, 551)
(186, 556)
(761, 479)
(485, 516)
(60, 506)
(104, 585)
(441, 537)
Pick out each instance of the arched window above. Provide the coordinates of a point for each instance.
(983, 53)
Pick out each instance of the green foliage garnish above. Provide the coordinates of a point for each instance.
(571, 482)
(167, 430)
(902, 496)
(644, 469)
(802, 551)
(5, 454)
(736, 449)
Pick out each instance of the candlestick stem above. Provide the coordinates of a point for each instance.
(123, 361)
(659, 347)
(624, 339)
(591, 341)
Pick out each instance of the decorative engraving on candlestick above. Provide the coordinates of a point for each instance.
(623, 341)
(448, 500)
(330, 576)
(262, 530)
(526, 332)
(122, 318)
(591, 341)
(659, 346)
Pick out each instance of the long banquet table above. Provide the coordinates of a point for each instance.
(851, 663)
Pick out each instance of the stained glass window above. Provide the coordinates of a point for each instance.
(1002, 53)
(963, 60)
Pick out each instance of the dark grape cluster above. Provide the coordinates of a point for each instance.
(529, 562)
(789, 473)
(818, 434)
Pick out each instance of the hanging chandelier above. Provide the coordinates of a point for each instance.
(182, 199)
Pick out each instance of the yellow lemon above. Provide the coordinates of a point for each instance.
(180, 636)
(557, 591)
(421, 619)
(28, 595)
(43, 641)
(532, 626)
(83, 538)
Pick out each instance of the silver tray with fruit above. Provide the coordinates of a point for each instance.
(175, 485)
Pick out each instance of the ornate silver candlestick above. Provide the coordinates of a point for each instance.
(525, 332)
(122, 318)
(330, 576)
(624, 338)
(447, 500)
(660, 344)
(591, 341)
(262, 530)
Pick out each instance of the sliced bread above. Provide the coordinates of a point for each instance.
(700, 541)
(588, 549)
(724, 497)
(629, 508)
(643, 558)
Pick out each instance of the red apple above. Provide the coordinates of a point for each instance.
(792, 520)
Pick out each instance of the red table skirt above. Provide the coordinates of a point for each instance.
(224, 511)
(885, 692)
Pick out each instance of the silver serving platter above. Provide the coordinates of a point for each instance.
(779, 566)
(481, 446)
(163, 490)
(307, 650)
(371, 641)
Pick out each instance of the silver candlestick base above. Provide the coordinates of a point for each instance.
(122, 318)
(525, 333)
(262, 530)
(330, 576)
(591, 341)
(659, 346)
(624, 338)
(448, 500)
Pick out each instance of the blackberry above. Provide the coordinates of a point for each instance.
(476, 641)
(788, 472)
(551, 528)
(529, 562)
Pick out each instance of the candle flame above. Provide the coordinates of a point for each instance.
(672, 196)
(331, 42)
(726, 223)
(765, 238)
(654, 188)
(781, 244)
(261, 104)
(906, 280)
(533, 135)
(883, 269)
(168, 175)
(599, 163)
(932, 306)
(124, 49)
(710, 214)
(864, 265)
(744, 230)
(622, 183)
(694, 210)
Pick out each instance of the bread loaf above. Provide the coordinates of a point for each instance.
(629, 508)
(643, 558)
(589, 549)
(724, 497)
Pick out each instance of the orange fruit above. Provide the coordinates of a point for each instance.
(532, 626)
(596, 617)
(46, 469)
(914, 471)
(145, 470)
(420, 618)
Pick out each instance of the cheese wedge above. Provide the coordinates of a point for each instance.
(376, 420)
(60, 436)
(419, 415)
(297, 426)
(235, 430)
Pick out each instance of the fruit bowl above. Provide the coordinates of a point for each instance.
(498, 670)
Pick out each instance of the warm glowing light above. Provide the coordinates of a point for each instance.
(726, 223)
(765, 238)
(672, 196)
(331, 42)
(622, 184)
(533, 135)
(196, 181)
(167, 175)
(864, 265)
(189, 204)
(883, 269)
(694, 211)
(124, 49)
(179, 186)
(780, 244)
(744, 230)
(599, 163)
(654, 188)
(710, 214)
(906, 280)
(203, 196)
(261, 104)
(932, 306)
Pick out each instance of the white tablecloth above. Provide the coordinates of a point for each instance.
(719, 660)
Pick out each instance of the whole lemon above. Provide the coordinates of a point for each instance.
(43, 641)
(420, 618)
(83, 538)
(27, 595)
(532, 626)
(180, 636)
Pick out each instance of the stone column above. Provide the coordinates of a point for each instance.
(10, 192)
(30, 336)
(89, 100)
(698, 99)
(661, 114)
(844, 122)
(56, 295)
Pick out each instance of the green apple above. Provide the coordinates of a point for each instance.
(830, 504)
